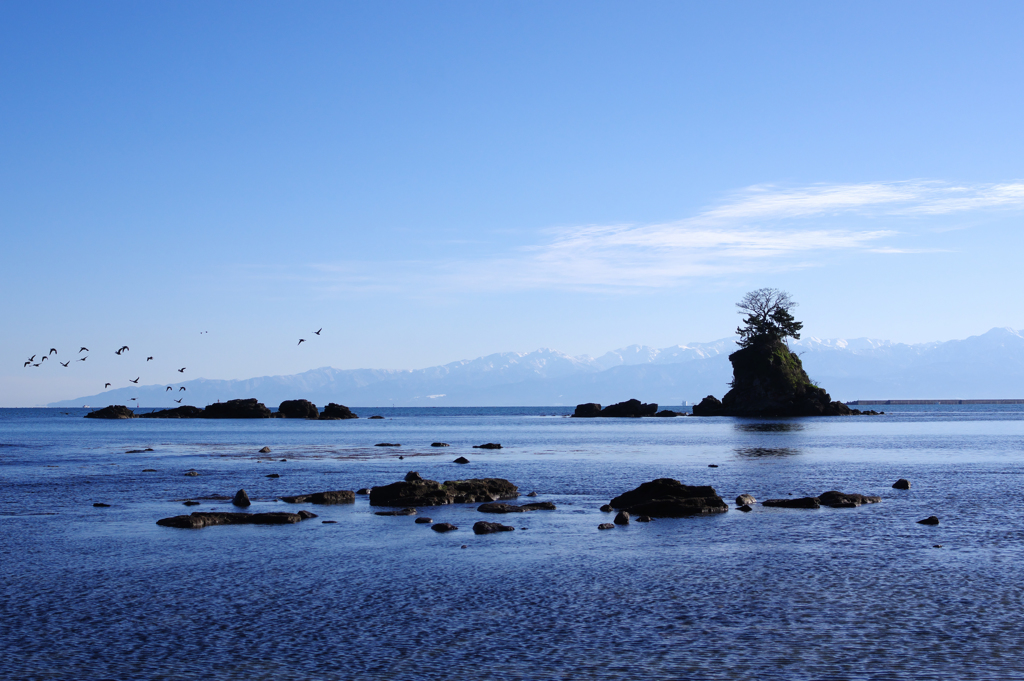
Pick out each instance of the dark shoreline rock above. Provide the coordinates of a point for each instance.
(588, 410)
(668, 498)
(199, 519)
(114, 411)
(484, 527)
(494, 507)
(336, 412)
(183, 412)
(444, 527)
(489, 445)
(237, 409)
(801, 502)
(340, 496)
(298, 409)
(902, 483)
(433, 493)
(241, 499)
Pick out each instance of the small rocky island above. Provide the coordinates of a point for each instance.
(234, 409)
(768, 378)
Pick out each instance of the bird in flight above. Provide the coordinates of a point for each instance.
(123, 348)
(64, 364)
(133, 399)
(84, 358)
(32, 358)
(169, 388)
(43, 358)
(135, 381)
(35, 365)
(179, 400)
(26, 363)
(53, 351)
(318, 332)
(84, 350)
(148, 358)
(181, 388)
(106, 385)
(181, 370)
(301, 341)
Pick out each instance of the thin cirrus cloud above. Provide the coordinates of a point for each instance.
(763, 228)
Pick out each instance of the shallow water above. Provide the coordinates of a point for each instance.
(104, 593)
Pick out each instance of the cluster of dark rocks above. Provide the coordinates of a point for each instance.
(415, 491)
(627, 409)
(234, 409)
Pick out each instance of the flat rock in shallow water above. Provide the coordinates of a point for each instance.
(199, 520)
(114, 411)
(930, 520)
(185, 412)
(606, 526)
(340, 496)
(489, 445)
(512, 508)
(484, 527)
(668, 498)
(443, 527)
(433, 493)
(802, 502)
(834, 499)
(404, 511)
(439, 444)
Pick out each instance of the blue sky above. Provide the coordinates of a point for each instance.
(437, 181)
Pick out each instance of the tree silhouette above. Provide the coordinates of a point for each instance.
(768, 317)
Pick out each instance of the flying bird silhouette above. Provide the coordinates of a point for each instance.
(181, 388)
(318, 332)
(181, 370)
(53, 351)
(148, 358)
(64, 364)
(179, 401)
(26, 364)
(35, 365)
(301, 341)
(135, 381)
(84, 358)
(123, 348)
(169, 388)
(32, 358)
(43, 359)
(84, 350)
(106, 385)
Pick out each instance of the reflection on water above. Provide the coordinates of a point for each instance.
(766, 451)
(772, 427)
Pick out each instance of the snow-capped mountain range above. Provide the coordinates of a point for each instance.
(987, 366)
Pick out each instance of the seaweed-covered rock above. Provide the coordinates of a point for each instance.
(481, 489)
(184, 412)
(200, 520)
(587, 411)
(237, 409)
(336, 412)
(298, 409)
(629, 409)
(339, 496)
(484, 527)
(114, 411)
(433, 493)
(668, 498)
(801, 502)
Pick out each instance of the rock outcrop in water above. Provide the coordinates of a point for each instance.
(337, 412)
(237, 409)
(832, 499)
(114, 411)
(185, 412)
(512, 508)
(433, 493)
(199, 520)
(627, 409)
(769, 380)
(298, 409)
(484, 527)
(340, 496)
(668, 498)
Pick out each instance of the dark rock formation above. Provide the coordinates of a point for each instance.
(274, 475)
(769, 380)
(413, 476)
(802, 502)
(532, 494)
(643, 519)
(100, 504)
(745, 499)
(237, 409)
(433, 493)
(365, 490)
(443, 527)
(489, 445)
(930, 520)
(423, 520)
(340, 496)
(709, 406)
(668, 498)
(606, 526)
(185, 412)
(834, 499)
(387, 444)
(607, 508)
(629, 409)
(669, 413)
(439, 444)
(200, 520)
(114, 411)
(622, 518)
(376, 416)
(461, 459)
(149, 470)
(404, 511)
(298, 409)
(587, 411)
(192, 474)
(241, 499)
(484, 527)
(745, 508)
(336, 412)
(139, 451)
(902, 483)
(265, 450)
(190, 503)
(512, 508)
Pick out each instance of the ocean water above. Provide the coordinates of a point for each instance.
(867, 593)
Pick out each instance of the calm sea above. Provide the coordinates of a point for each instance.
(867, 593)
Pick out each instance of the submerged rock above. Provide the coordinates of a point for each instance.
(587, 411)
(139, 451)
(237, 409)
(190, 503)
(930, 520)
(606, 526)
(834, 499)
(512, 508)
(298, 409)
(668, 498)
(902, 483)
(376, 416)
(489, 445)
(100, 504)
(461, 459)
(184, 412)
(241, 499)
(443, 527)
(439, 444)
(745, 508)
(336, 412)
(404, 511)
(340, 496)
(265, 450)
(423, 520)
(114, 411)
(670, 413)
(192, 474)
(484, 527)
(199, 520)
(802, 502)
(387, 444)
(433, 493)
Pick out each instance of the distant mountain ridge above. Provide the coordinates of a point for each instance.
(987, 366)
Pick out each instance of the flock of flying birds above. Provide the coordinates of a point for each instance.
(31, 361)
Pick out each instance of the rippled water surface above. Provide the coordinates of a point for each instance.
(865, 593)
